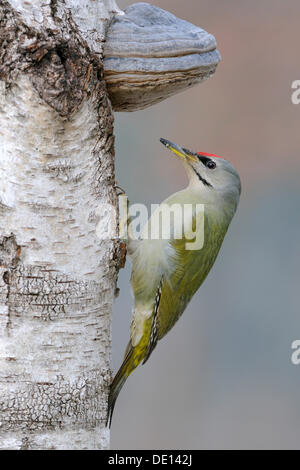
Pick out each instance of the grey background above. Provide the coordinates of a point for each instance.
(223, 377)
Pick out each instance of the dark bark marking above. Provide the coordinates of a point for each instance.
(10, 253)
(59, 63)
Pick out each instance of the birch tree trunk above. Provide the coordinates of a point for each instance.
(57, 278)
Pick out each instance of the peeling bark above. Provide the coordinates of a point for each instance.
(57, 278)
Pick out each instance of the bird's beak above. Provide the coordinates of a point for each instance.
(180, 152)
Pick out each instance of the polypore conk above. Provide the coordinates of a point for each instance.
(151, 54)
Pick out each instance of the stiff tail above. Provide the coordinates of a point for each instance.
(133, 357)
(129, 364)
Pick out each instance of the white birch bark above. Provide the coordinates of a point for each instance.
(57, 279)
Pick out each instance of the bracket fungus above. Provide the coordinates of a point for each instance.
(151, 54)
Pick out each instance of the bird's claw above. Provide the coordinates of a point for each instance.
(120, 191)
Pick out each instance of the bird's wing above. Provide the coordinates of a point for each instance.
(154, 325)
(171, 297)
(165, 276)
(192, 267)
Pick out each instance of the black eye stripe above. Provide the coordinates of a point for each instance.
(203, 159)
(208, 162)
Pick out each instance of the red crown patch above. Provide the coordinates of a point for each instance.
(208, 154)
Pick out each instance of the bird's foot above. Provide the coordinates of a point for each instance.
(120, 191)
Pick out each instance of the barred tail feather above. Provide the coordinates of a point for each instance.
(115, 389)
(128, 365)
(133, 357)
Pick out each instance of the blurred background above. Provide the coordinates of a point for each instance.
(223, 377)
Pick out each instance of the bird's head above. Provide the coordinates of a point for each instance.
(208, 172)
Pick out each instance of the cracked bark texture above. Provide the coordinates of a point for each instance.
(57, 278)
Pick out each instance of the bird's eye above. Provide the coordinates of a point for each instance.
(210, 164)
